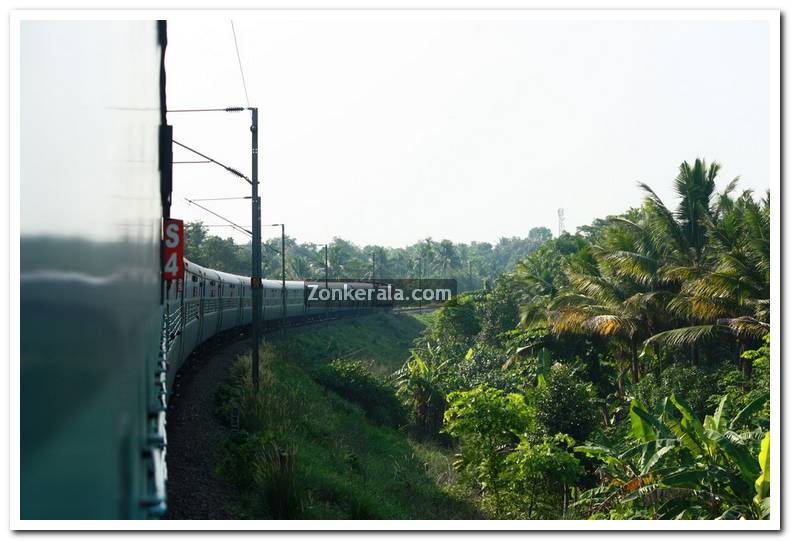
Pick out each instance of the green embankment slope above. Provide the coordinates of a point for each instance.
(304, 452)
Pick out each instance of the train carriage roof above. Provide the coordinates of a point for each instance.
(228, 278)
(212, 274)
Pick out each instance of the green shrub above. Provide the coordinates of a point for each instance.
(488, 423)
(741, 389)
(540, 476)
(458, 318)
(483, 365)
(564, 404)
(354, 381)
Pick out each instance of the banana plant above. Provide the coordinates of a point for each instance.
(762, 483)
(421, 383)
(680, 467)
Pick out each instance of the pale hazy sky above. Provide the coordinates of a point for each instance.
(388, 128)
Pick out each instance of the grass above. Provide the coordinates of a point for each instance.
(304, 452)
(425, 318)
(383, 339)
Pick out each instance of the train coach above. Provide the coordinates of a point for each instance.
(207, 303)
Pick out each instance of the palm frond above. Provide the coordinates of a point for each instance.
(609, 324)
(638, 267)
(684, 336)
(744, 327)
(569, 320)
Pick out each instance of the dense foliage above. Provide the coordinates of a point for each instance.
(620, 372)
(675, 466)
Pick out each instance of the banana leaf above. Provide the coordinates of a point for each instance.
(762, 483)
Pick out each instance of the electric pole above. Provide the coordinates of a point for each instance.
(255, 275)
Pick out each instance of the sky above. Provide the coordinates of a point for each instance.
(387, 128)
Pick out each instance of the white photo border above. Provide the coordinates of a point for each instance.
(771, 16)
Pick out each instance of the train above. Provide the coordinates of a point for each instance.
(101, 333)
(208, 302)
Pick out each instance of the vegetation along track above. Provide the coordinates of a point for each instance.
(195, 434)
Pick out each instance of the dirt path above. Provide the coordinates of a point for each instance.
(195, 491)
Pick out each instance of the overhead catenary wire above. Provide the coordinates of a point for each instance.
(239, 58)
(227, 168)
(231, 223)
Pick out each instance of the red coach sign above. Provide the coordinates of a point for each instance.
(173, 251)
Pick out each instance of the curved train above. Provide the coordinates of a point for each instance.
(208, 302)
(101, 335)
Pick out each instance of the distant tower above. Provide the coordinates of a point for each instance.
(561, 222)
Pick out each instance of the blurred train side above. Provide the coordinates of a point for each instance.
(90, 313)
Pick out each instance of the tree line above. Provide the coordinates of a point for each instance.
(474, 265)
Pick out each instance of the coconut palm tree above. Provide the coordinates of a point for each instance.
(729, 298)
(426, 252)
(649, 277)
(446, 257)
(301, 268)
